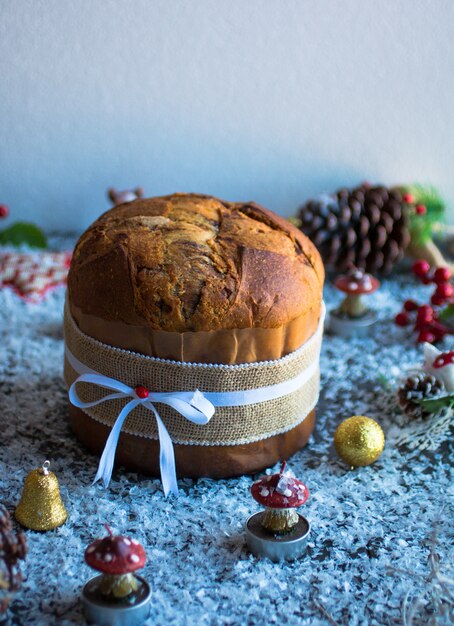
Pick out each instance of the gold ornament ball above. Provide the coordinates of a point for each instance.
(359, 440)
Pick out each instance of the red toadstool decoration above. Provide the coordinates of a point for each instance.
(117, 558)
(445, 358)
(281, 494)
(355, 283)
(440, 364)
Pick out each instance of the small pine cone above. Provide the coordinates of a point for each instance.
(13, 547)
(5, 520)
(418, 387)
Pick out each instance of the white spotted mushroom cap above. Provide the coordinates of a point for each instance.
(280, 491)
(440, 364)
(115, 555)
(356, 282)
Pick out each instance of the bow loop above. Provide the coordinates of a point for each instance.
(194, 406)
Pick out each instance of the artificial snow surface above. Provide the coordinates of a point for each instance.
(366, 524)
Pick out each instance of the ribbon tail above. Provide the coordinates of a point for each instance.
(166, 458)
(105, 467)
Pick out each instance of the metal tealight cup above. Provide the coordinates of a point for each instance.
(103, 612)
(344, 326)
(277, 547)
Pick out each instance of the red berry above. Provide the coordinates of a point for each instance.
(425, 313)
(439, 334)
(402, 319)
(421, 268)
(141, 391)
(410, 305)
(4, 211)
(437, 300)
(408, 198)
(426, 335)
(444, 290)
(420, 209)
(442, 275)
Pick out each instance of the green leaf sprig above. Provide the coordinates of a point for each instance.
(432, 405)
(23, 233)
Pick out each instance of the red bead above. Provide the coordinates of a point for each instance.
(402, 319)
(409, 198)
(444, 290)
(410, 305)
(420, 209)
(4, 211)
(426, 336)
(141, 391)
(421, 268)
(442, 275)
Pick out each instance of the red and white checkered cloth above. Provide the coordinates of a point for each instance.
(31, 275)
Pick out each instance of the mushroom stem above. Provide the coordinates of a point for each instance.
(353, 305)
(279, 521)
(108, 528)
(118, 586)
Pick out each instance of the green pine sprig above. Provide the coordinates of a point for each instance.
(422, 227)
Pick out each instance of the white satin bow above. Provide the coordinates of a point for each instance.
(192, 405)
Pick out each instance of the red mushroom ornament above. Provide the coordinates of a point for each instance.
(281, 494)
(353, 318)
(117, 596)
(279, 532)
(117, 558)
(355, 284)
(440, 364)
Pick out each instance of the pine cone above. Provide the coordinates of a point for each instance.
(418, 387)
(365, 226)
(12, 548)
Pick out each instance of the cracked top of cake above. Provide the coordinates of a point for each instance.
(189, 262)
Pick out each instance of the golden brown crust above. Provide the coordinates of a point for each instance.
(188, 262)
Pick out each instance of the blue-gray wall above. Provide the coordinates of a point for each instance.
(272, 100)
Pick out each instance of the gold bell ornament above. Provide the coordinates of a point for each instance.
(41, 506)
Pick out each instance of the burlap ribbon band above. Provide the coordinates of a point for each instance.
(230, 425)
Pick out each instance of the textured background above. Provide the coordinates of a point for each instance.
(364, 522)
(271, 101)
